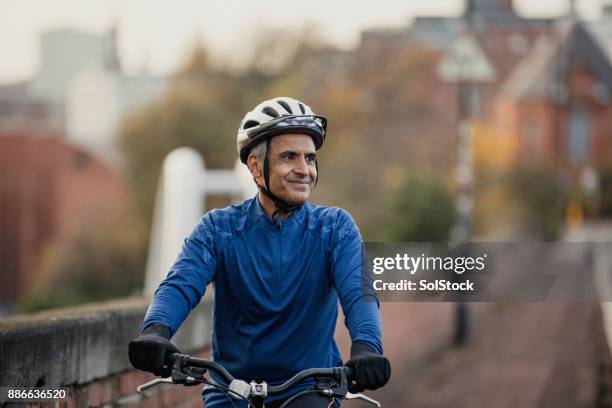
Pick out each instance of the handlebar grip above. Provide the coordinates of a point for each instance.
(195, 362)
(349, 373)
(170, 358)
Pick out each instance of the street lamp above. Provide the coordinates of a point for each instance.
(464, 64)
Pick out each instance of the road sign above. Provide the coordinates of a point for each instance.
(465, 61)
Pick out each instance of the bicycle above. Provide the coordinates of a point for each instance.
(187, 370)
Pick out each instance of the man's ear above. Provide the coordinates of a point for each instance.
(254, 167)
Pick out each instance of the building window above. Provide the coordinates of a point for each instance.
(579, 134)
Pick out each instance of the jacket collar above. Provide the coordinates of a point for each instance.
(256, 213)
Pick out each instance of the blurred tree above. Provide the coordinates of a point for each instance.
(541, 197)
(388, 112)
(278, 52)
(420, 210)
(202, 110)
(197, 64)
(100, 262)
(186, 117)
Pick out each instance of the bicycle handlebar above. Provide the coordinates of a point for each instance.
(336, 373)
(184, 372)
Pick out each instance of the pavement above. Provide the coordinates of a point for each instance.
(519, 355)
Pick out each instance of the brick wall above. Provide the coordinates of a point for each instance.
(119, 391)
(85, 350)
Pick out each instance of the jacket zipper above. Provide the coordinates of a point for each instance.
(280, 256)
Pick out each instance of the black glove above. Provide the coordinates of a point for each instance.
(370, 369)
(148, 352)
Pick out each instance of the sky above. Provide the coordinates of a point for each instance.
(156, 35)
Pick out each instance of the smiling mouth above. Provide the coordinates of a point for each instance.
(300, 185)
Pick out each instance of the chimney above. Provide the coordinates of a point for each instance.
(488, 7)
(571, 13)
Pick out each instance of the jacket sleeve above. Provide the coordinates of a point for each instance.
(186, 282)
(357, 297)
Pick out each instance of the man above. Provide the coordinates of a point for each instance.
(279, 265)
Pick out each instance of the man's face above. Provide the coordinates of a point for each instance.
(292, 167)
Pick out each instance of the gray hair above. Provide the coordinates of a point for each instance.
(259, 150)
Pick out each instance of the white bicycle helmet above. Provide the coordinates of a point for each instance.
(276, 117)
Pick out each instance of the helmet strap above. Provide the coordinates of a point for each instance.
(281, 205)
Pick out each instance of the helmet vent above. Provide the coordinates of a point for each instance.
(301, 105)
(250, 123)
(270, 112)
(286, 106)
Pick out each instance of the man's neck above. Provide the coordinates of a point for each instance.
(269, 208)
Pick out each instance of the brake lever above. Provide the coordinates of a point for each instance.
(178, 376)
(341, 390)
(153, 383)
(362, 397)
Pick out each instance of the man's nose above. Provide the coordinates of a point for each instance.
(301, 166)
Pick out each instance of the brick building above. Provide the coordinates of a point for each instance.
(551, 95)
(47, 187)
(503, 36)
(558, 102)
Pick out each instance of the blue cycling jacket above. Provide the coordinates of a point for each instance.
(277, 286)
